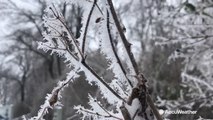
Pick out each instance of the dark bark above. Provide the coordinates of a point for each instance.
(142, 94)
(59, 68)
(22, 93)
(51, 67)
(78, 26)
(22, 86)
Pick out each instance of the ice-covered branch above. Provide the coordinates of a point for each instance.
(52, 99)
(126, 82)
(59, 37)
(86, 26)
(197, 80)
(114, 50)
(98, 110)
(123, 38)
(133, 65)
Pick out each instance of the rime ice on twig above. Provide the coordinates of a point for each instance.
(58, 39)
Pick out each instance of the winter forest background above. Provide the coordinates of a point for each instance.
(171, 42)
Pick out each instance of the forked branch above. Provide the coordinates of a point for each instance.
(127, 46)
(82, 63)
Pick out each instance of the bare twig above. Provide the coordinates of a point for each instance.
(26, 15)
(32, 49)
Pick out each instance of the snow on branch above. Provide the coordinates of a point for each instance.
(52, 99)
(133, 68)
(132, 63)
(107, 48)
(57, 37)
(128, 84)
(98, 110)
(186, 76)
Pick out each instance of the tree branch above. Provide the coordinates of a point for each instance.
(65, 26)
(114, 51)
(154, 109)
(82, 62)
(102, 81)
(107, 111)
(130, 55)
(123, 37)
(98, 114)
(86, 27)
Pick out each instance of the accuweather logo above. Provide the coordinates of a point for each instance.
(177, 112)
